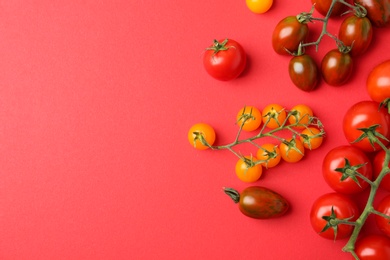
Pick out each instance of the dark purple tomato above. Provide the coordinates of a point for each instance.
(336, 67)
(378, 11)
(303, 72)
(322, 6)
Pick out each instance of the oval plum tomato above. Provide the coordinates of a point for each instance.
(356, 32)
(249, 118)
(373, 247)
(301, 115)
(259, 202)
(322, 6)
(201, 136)
(340, 166)
(378, 11)
(303, 72)
(336, 67)
(366, 115)
(288, 34)
(224, 60)
(274, 115)
(378, 82)
(292, 150)
(382, 222)
(378, 164)
(311, 138)
(329, 207)
(270, 154)
(247, 170)
(259, 6)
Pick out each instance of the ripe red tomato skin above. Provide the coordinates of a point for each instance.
(322, 6)
(381, 222)
(335, 158)
(378, 11)
(303, 72)
(336, 67)
(356, 32)
(378, 82)
(378, 163)
(373, 247)
(225, 64)
(288, 34)
(364, 114)
(343, 206)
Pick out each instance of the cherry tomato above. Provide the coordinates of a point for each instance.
(288, 34)
(311, 138)
(292, 150)
(247, 170)
(303, 72)
(378, 163)
(225, 59)
(340, 162)
(322, 6)
(200, 135)
(274, 115)
(378, 11)
(365, 114)
(343, 208)
(356, 32)
(378, 82)
(336, 67)
(259, 6)
(270, 154)
(259, 202)
(301, 116)
(383, 223)
(373, 247)
(249, 118)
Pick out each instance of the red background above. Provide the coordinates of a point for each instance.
(96, 98)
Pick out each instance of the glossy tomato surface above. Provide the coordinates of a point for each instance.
(322, 6)
(378, 11)
(383, 223)
(303, 72)
(378, 82)
(378, 163)
(373, 247)
(336, 67)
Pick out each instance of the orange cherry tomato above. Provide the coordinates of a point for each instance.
(247, 170)
(270, 154)
(274, 115)
(201, 136)
(259, 6)
(292, 150)
(249, 118)
(311, 138)
(301, 115)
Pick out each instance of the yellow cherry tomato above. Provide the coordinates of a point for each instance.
(247, 170)
(292, 150)
(270, 154)
(274, 115)
(301, 116)
(311, 138)
(259, 6)
(200, 135)
(249, 118)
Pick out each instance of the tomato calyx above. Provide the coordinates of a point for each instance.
(306, 17)
(385, 103)
(292, 145)
(246, 116)
(199, 136)
(360, 11)
(350, 171)
(371, 134)
(273, 114)
(333, 222)
(218, 46)
(233, 194)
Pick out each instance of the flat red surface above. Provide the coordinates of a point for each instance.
(96, 98)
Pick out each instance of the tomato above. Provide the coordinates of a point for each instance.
(383, 223)
(322, 6)
(378, 11)
(343, 208)
(373, 247)
(356, 32)
(201, 136)
(311, 138)
(274, 115)
(270, 154)
(224, 60)
(378, 163)
(247, 170)
(288, 34)
(259, 202)
(339, 166)
(336, 67)
(292, 150)
(378, 82)
(259, 6)
(366, 114)
(303, 72)
(301, 115)
(249, 118)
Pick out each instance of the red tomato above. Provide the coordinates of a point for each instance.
(356, 32)
(303, 72)
(343, 207)
(378, 163)
(335, 170)
(378, 82)
(373, 247)
(224, 60)
(322, 6)
(365, 114)
(383, 223)
(378, 11)
(288, 34)
(336, 67)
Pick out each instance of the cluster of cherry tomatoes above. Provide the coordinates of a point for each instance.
(351, 169)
